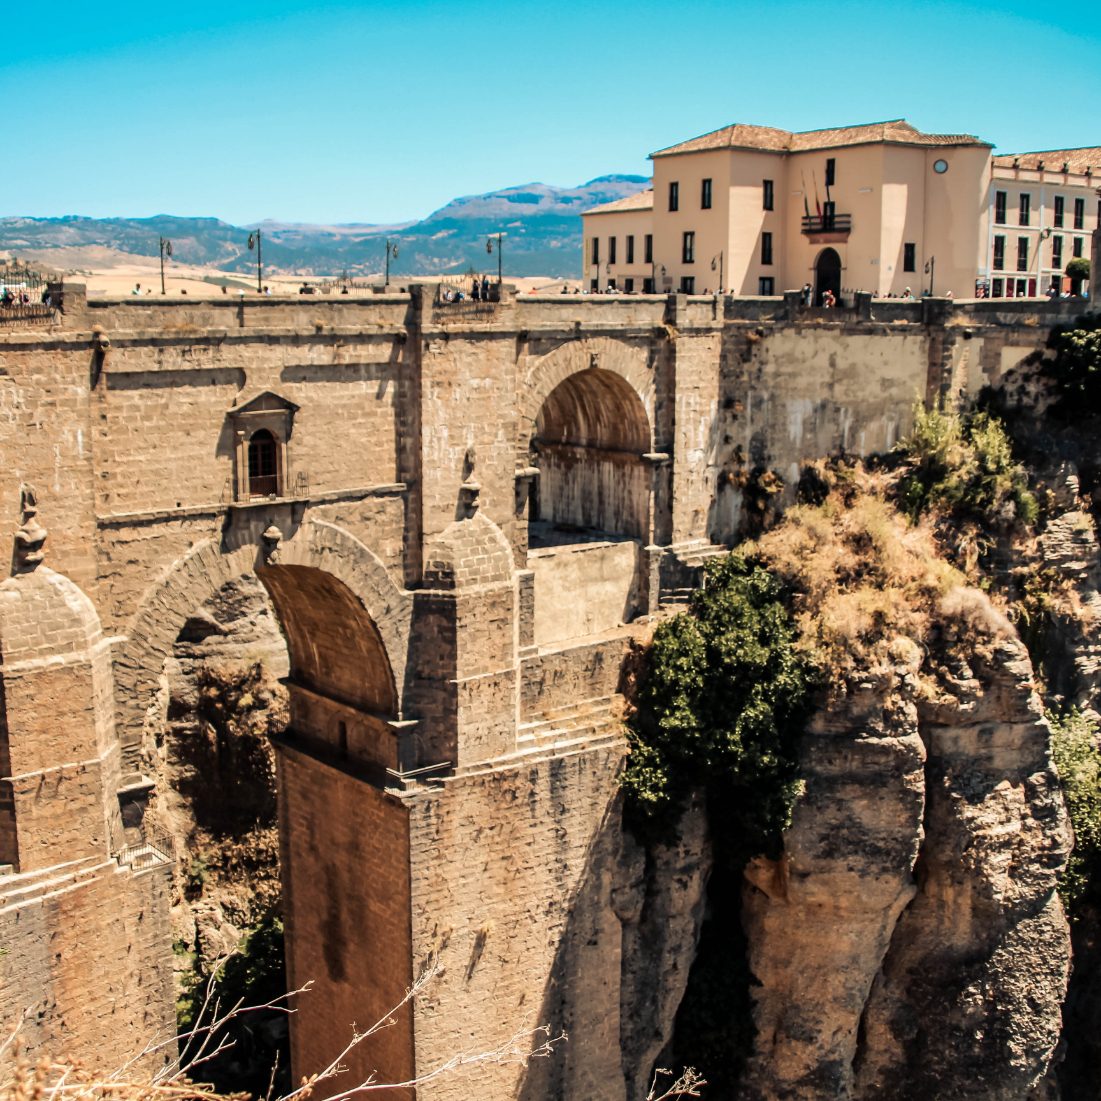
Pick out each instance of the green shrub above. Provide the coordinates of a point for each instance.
(721, 707)
(1075, 368)
(1075, 748)
(963, 466)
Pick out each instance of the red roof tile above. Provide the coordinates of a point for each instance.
(770, 139)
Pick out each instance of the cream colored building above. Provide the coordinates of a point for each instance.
(882, 207)
(1042, 210)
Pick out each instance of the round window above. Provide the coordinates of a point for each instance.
(940, 167)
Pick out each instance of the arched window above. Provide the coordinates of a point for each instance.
(263, 464)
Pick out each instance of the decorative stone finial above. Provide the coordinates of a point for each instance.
(470, 489)
(272, 537)
(31, 534)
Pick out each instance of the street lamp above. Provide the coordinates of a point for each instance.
(254, 242)
(720, 260)
(166, 250)
(930, 270)
(391, 254)
(500, 237)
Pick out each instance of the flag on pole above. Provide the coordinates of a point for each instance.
(806, 205)
(817, 204)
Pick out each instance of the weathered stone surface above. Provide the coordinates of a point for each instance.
(918, 874)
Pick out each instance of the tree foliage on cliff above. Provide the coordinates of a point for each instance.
(963, 467)
(1076, 748)
(1075, 368)
(720, 708)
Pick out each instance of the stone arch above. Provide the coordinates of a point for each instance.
(573, 357)
(350, 580)
(590, 438)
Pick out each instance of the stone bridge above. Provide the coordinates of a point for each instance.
(462, 517)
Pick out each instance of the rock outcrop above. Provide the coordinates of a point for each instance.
(909, 942)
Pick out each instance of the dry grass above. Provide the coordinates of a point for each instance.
(863, 579)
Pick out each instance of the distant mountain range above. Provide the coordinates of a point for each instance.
(541, 224)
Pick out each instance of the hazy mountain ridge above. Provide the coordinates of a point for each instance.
(541, 224)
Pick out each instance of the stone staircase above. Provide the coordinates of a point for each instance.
(682, 572)
(559, 732)
(17, 890)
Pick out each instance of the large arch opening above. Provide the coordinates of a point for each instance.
(590, 436)
(279, 693)
(590, 509)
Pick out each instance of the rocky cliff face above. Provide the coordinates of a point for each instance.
(909, 943)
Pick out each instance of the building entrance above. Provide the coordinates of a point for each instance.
(827, 275)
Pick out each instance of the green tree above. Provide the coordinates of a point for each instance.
(1078, 271)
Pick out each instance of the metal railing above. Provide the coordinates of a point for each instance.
(155, 849)
(827, 223)
(24, 293)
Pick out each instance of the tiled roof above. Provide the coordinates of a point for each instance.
(770, 139)
(643, 200)
(1076, 160)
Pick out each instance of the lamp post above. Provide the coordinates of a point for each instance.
(720, 260)
(166, 250)
(254, 242)
(391, 254)
(930, 270)
(500, 238)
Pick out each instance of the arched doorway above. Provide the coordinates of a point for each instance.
(590, 436)
(827, 275)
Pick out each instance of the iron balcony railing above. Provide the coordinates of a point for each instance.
(827, 223)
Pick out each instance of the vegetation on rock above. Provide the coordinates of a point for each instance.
(721, 707)
(1076, 748)
(963, 467)
(1075, 368)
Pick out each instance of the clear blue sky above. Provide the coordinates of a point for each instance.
(381, 112)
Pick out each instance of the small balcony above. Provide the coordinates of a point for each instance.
(830, 225)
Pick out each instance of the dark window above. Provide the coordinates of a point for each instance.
(1022, 254)
(1021, 289)
(674, 195)
(688, 248)
(909, 256)
(768, 196)
(630, 248)
(1057, 252)
(596, 250)
(688, 284)
(1060, 204)
(594, 285)
(1078, 246)
(647, 286)
(705, 195)
(648, 249)
(999, 253)
(1079, 213)
(766, 285)
(766, 248)
(999, 208)
(611, 250)
(829, 211)
(1026, 208)
(998, 288)
(263, 481)
(831, 171)
(629, 286)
